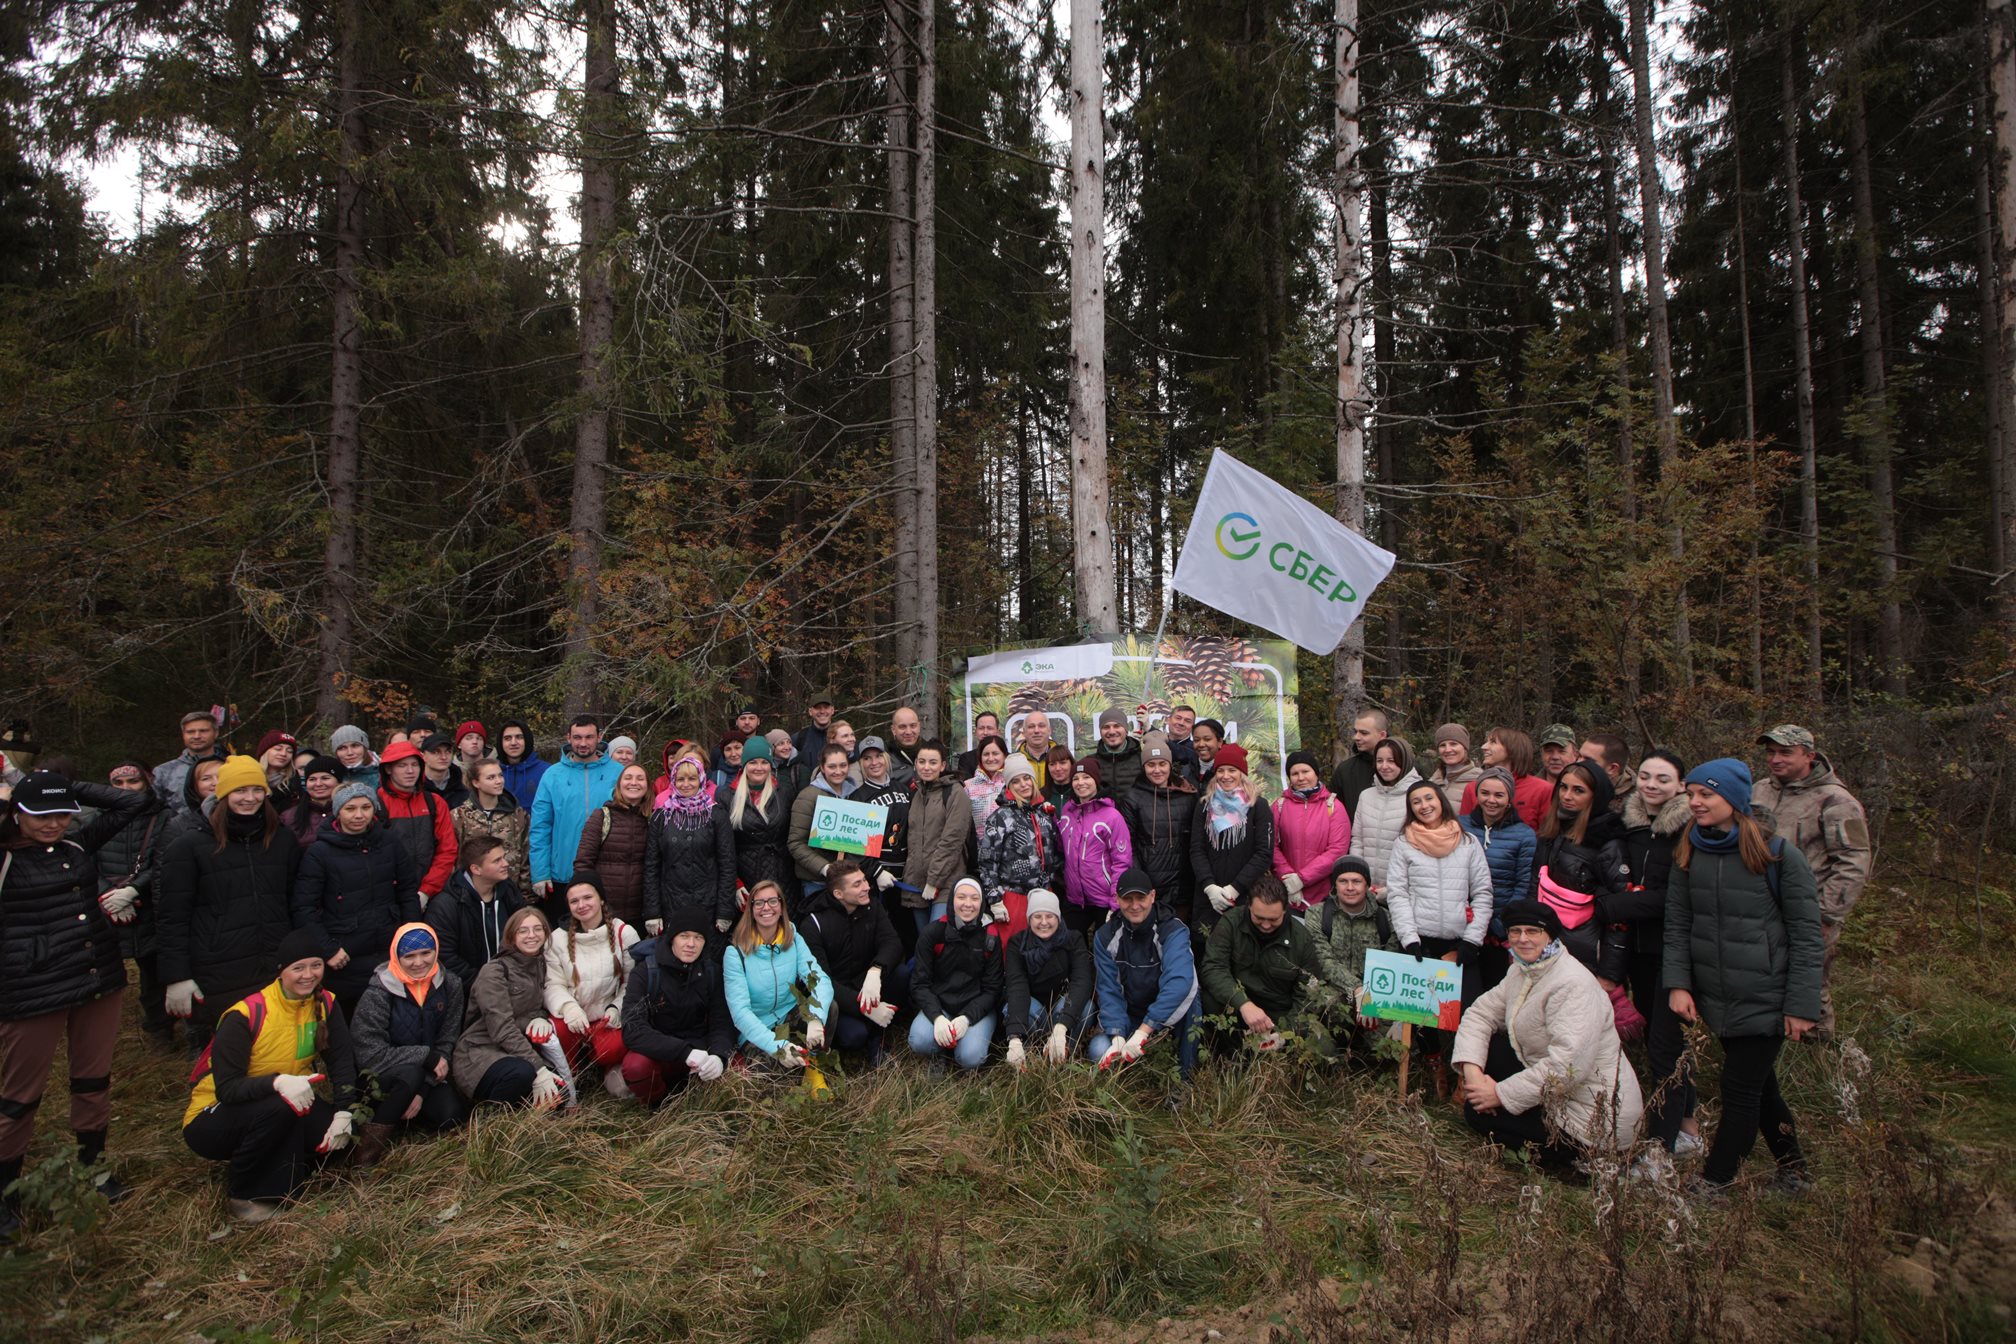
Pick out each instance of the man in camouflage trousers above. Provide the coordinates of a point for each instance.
(1815, 811)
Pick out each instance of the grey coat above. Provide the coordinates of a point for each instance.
(1750, 958)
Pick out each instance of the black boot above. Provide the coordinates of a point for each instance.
(10, 1208)
(90, 1149)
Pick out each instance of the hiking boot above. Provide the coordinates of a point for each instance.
(373, 1142)
(1705, 1193)
(110, 1186)
(1793, 1180)
(251, 1211)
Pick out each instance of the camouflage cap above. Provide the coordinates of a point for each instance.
(1557, 735)
(1788, 735)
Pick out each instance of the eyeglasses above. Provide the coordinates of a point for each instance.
(767, 903)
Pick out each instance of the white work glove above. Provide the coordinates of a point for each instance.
(1271, 1041)
(542, 888)
(709, 1068)
(297, 1090)
(1222, 898)
(1116, 1053)
(941, 1032)
(871, 990)
(338, 1136)
(882, 1014)
(997, 913)
(723, 925)
(1294, 884)
(545, 1090)
(183, 996)
(1015, 1053)
(1056, 1049)
(885, 879)
(960, 1026)
(576, 1020)
(815, 1036)
(1137, 1044)
(792, 1053)
(425, 897)
(613, 1018)
(930, 895)
(694, 1059)
(539, 1031)
(653, 927)
(825, 868)
(118, 904)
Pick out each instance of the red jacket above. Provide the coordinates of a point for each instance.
(409, 808)
(1532, 795)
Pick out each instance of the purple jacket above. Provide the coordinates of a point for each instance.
(1097, 851)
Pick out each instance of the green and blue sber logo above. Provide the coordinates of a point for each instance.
(1240, 537)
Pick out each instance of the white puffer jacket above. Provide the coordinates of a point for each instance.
(1562, 1028)
(1382, 811)
(1449, 897)
(600, 988)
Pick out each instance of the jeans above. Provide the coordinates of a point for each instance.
(1186, 1042)
(1751, 1104)
(652, 1080)
(856, 1035)
(969, 1053)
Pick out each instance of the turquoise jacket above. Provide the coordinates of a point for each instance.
(568, 792)
(759, 989)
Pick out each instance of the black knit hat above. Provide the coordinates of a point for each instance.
(1529, 912)
(298, 945)
(687, 919)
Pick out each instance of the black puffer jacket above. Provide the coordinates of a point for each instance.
(761, 854)
(847, 942)
(353, 891)
(690, 861)
(1648, 850)
(57, 948)
(1061, 988)
(1596, 867)
(132, 858)
(959, 972)
(1159, 819)
(672, 1008)
(223, 913)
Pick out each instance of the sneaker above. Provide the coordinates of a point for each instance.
(937, 1067)
(1792, 1180)
(253, 1210)
(1687, 1145)
(1653, 1167)
(1706, 1193)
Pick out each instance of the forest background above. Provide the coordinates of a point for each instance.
(350, 421)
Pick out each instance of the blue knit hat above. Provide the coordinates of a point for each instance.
(1728, 777)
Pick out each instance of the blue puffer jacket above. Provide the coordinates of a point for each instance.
(1508, 852)
(1144, 972)
(759, 984)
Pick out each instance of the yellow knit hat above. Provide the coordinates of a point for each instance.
(240, 772)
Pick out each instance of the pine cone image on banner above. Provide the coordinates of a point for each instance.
(1211, 669)
(1028, 700)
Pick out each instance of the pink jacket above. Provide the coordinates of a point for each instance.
(1097, 850)
(1309, 837)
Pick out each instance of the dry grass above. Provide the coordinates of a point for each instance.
(912, 1210)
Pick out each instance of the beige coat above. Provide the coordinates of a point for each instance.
(1561, 1027)
(590, 958)
(1819, 815)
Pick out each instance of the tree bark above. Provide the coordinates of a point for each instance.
(924, 667)
(1348, 677)
(588, 514)
(1385, 448)
(333, 646)
(1091, 524)
(1655, 291)
(1802, 364)
(2002, 190)
(1875, 417)
(897, 122)
(1755, 576)
(1630, 656)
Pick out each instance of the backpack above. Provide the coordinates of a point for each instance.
(255, 1017)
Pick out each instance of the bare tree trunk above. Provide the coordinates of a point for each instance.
(1875, 416)
(1655, 290)
(1385, 449)
(333, 642)
(589, 512)
(1091, 523)
(1993, 392)
(1755, 574)
(1348, 680)
(1631, 656)
(924, 667)
(902, 330)
(1802, 364)
(2002, 189)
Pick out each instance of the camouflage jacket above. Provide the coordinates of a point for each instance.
(1819, 815)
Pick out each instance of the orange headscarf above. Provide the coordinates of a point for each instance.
(417, 988)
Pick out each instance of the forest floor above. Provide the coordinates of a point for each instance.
(1279, 1204)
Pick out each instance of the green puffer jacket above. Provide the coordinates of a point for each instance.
(1751, 958)
(1242, 963)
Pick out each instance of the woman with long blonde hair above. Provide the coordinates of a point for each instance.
(764, 962)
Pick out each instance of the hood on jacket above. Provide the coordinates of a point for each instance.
(1406, 750)
(1600, 787)
(329, 833)
(1673, 817)
(531, 747)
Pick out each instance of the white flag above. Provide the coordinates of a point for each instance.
(1264, 554)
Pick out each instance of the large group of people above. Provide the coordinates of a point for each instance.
(355, 944)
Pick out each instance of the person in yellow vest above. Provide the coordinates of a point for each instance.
(254, 1104)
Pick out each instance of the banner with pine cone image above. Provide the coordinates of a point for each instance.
(1246, 685)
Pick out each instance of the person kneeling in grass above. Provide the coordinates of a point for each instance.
(254, 1103)
(764, 962)
(957, 984)
(405, 1034)
(1048, 998)
(508, 1054)
(1258, 964)
(676, 1023)
(1146, 978)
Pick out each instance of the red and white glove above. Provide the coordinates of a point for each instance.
(871, 990)
(1137, 1044)
(297, 1090)
(539, 1031)
(941, 1032)
(118, 904)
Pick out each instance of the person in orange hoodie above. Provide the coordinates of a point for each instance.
(418, 816)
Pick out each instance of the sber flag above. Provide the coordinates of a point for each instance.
(1262, 553)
